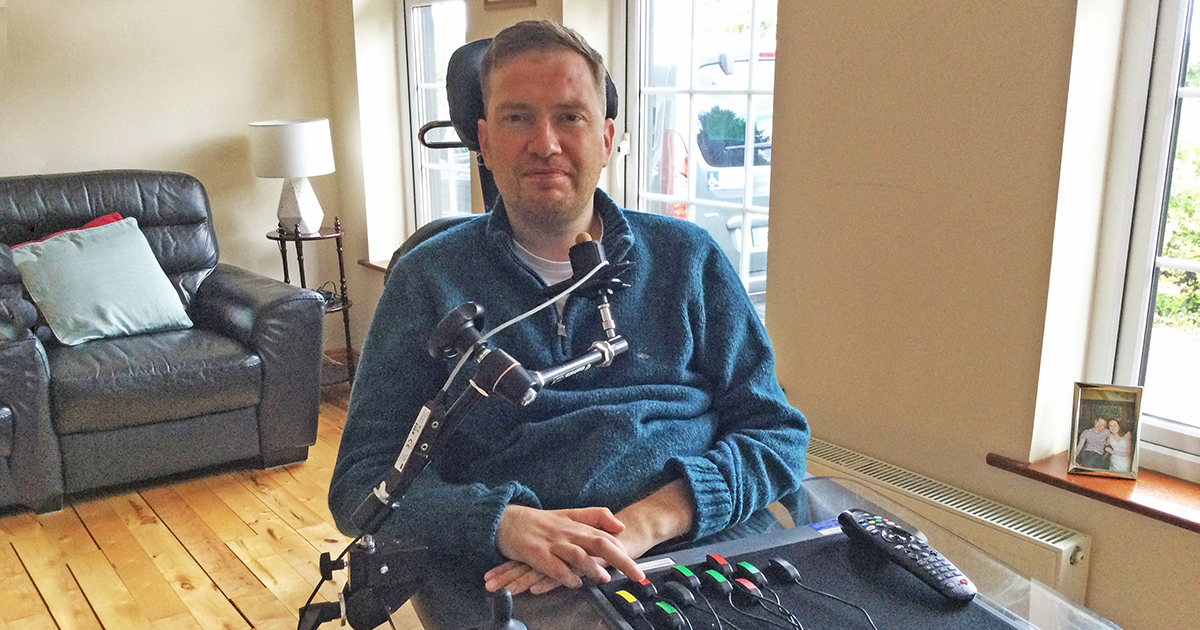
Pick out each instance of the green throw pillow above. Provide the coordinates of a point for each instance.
(99, 282)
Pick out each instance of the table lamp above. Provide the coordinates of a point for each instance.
(294, 150)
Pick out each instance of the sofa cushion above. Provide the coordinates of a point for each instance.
(128, 381)
(171, 210)
(99, 282)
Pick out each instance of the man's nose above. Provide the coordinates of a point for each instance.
(544, 142)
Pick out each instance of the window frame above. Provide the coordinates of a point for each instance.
(1159, 35)
(421, 206)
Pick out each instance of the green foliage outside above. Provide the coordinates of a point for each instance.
(726, 19)
(721, 128)
(1178, 299)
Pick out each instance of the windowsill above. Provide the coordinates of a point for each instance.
(1155, 495)
(377, 265)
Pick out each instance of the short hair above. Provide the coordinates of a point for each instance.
(539, 36)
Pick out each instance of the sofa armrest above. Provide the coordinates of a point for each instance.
(283, 325)
(34, 462)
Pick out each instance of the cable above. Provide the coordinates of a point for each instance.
(482, 341)
(791, 617)
(832, 596)
(713, 611)
(781, 612)
(762, 619)
(549, 302)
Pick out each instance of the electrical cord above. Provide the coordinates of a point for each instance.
(835, 597)
(713, 611)
(467, 355)
(762, 619)
(791, 617)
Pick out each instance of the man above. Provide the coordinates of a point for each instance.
(685, 437)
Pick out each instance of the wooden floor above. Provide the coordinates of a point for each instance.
(230, 550)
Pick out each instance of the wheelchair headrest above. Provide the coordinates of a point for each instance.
(465, 95)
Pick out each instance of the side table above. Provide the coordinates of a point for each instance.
(341, 301)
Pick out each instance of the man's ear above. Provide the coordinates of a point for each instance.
(610, 130)
(481, 131)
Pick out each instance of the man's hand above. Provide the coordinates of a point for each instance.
(555, 547)
(667, 513)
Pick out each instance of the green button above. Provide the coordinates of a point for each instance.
(667, 607)
(749, 567)
(684, 570)
(716, 576)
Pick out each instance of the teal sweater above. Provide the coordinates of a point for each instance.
(695, 397)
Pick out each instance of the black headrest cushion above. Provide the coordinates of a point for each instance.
(465, 95)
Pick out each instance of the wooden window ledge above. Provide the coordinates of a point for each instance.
(377, 265)
(1155, 495)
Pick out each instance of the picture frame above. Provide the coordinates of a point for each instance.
(496, 5)
(1110, 450)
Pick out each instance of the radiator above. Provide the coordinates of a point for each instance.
(1047, 552)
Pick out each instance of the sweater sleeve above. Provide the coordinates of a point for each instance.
(758, 455)
(395, 377)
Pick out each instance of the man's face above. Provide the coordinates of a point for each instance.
(545, 137)
(1100, 425)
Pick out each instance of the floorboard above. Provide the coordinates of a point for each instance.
(235, 549)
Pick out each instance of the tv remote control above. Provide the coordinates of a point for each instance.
(903, 548)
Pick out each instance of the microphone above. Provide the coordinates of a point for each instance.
(585, 255)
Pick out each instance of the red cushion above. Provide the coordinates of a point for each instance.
(111, 217)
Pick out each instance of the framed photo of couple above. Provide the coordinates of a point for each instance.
(1104, 430)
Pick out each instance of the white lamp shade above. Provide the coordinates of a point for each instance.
(291, 148)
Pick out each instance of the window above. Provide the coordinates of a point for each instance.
(1159, 340)
(704, 77)
(442, 177)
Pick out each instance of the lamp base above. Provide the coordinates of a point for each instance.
(298, 205)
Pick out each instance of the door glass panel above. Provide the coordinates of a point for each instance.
(705, 105)
(443, 176)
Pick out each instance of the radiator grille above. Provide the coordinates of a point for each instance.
(938, 492)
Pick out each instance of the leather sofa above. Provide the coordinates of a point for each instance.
(241, 385)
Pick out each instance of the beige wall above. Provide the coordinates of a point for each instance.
(168, 84)
(915, 197)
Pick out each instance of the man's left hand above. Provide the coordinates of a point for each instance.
(667, 513)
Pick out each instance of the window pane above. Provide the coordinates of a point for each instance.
(720, 141)
(723, 44)
(1192, 75)
(448, 185)
(1173, 361)
(668, 44)
(443, 175)
(1181, 238)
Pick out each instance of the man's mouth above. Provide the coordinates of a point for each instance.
(545, 174)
